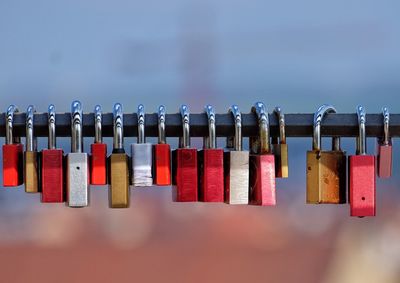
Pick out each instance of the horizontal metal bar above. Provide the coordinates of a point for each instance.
(297, 125)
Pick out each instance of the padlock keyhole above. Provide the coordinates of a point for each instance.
(363, 198)
(78, 168)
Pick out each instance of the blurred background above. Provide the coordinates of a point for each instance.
(297, 54)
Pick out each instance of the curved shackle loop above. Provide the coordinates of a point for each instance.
(263, 124)
(161, 124)
(184, 141)
(281, 118)
(98, 119)
(237, 117)
(76, 127)
(386, 120)
(211, 140)
(51, 123)
(141, 119)
(31, 140)
(318, 117)
(11, 110)
(118, 127)
(361, 144)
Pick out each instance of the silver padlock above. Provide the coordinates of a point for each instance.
(142, 158)
(236, 163)
(77, 162)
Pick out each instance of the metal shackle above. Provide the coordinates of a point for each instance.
(98, 119)
(263, 124)
(184, 141)
(236, 141)
(31, 140)
(281, 119)
(361, 141)
(118, 127)
(318, 117)
(51, 122)
(141, 124)
(386, 120)
(211, 140)
(161, 124)
(76, 127)
(11, 110)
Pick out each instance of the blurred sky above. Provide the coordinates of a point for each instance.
(297, 54)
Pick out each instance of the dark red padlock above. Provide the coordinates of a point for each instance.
(384, 149)
(161, 154)
(186, 177)
(12, 153)
(211, 165)
(52, 160)
(362, 180)
(98, 150)
(262, 162)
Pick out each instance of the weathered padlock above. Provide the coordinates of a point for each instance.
(236, 164)
(211, 164)
(98, 149)
(280, 148)
(185, 160)
(118, 164)
(384, 149)
(77, 162)
(12, 153)
(262, 161)
(161, 154)
(362, 180)
(31, 169)
(52, 163)
(142, 175)
(326, 170)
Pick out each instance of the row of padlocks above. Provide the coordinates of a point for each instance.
(230, 175)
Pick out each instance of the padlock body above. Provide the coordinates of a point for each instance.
(31, 172)
(98, 164)
(142, 159)
(186, 175)
(211, 175)
(12, 165)
(384, 160)
(362, 185)
(52, 175)
(326, 177)
(262, 179)
(281, 160)
(162, 164)
(77, 179)
(119, 180)
(236, 171)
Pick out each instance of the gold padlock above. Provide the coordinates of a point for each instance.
(118, 162)
(31, 173)
(280, 148)
(326, 170)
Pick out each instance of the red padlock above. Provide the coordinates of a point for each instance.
(98, 157)
(186, 177)
(12, 153)
(211, 165)
(161, 154)
(362, 181)
(384, 149)
(262, 162)
(52, 165)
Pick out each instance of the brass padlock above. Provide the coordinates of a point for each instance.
(280, 148)
(118, 162)
(326, 170)
(31, 172)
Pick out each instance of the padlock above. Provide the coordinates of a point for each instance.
(262, 162)
(161, 154)
(236, 164)
(384, 149)
(77, 162)
(362, 180)
(52, 163)
(12, 153)
(185, 173)
(142, 158)
(98, 149)
(118, 163)
(326, 170)
(211, 164)
(280, 147)
(31, 169)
